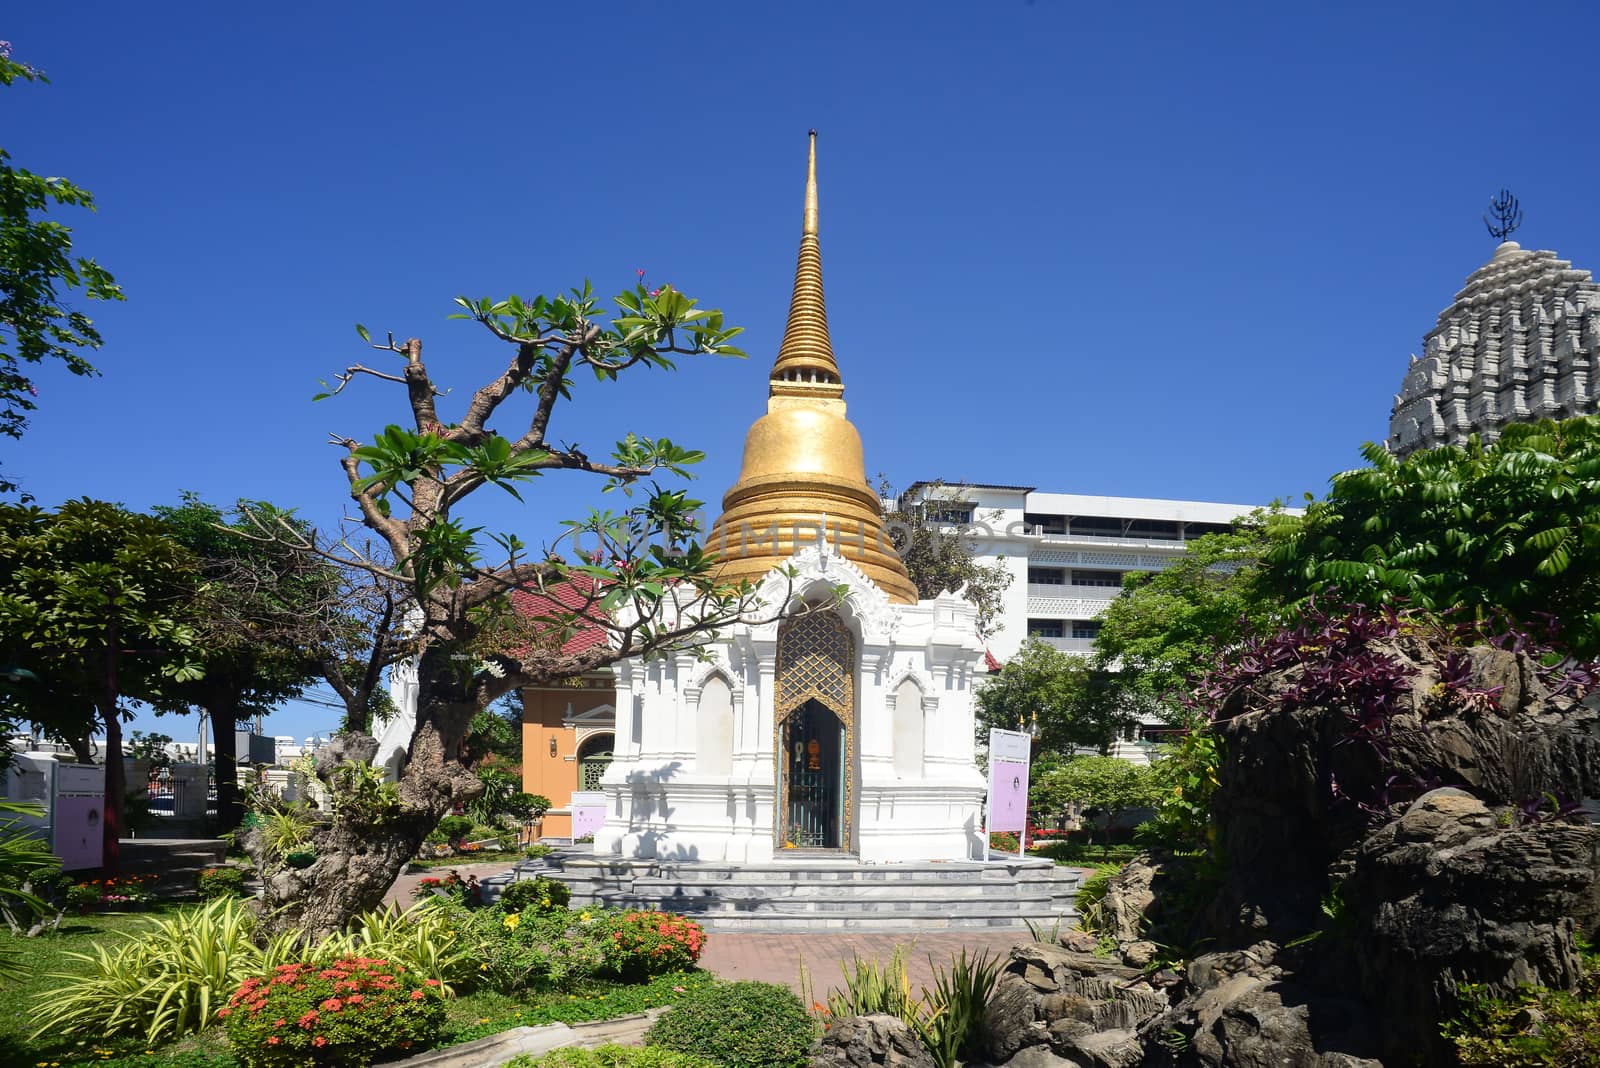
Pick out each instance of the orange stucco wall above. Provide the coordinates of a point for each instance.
(546, 713)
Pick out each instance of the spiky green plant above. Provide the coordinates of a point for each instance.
(164, 982)
(959, 997)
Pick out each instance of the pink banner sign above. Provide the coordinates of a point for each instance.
(587, 819)
(1008, 796)
(1008, 780)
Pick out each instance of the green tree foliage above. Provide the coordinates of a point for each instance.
(255, 623)
(1109, 784)
(96, 602)
(1169, 625)
(1060, 697)
(37, 274)
(1510, 529)
(939, 554)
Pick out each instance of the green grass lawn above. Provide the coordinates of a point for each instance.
(462, 860)
(470, 1016)
(1084, 853)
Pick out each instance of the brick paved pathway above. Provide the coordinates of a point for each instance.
(775, 958)
(400, 892)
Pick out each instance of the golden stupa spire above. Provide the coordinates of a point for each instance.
(803, 458)
(806, 355)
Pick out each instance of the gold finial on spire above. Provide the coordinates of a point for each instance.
(805, 359)
(811, 188)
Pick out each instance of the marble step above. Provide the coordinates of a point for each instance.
(763, 923)
(718, 908)
(683, 889)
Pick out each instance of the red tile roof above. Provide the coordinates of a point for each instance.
(562, 598)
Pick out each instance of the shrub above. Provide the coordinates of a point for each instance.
(1532, 1027)
(540, 895)
(610, 1056)
(345, 1013)
(536, 852)
(454, 828)
(522, 950)
(739, 1025)
(1004, 842)
(640, 944)
(226, 881)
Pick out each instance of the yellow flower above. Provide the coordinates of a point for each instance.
(584, 916)
(512, 920)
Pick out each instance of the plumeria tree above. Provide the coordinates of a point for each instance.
(641, 575)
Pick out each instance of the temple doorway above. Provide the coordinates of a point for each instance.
(813, 745)
(814, 732)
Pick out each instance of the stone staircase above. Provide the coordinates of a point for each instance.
(814, 894)
(175, 862)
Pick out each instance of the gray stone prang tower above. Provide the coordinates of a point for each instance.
(1520, 342)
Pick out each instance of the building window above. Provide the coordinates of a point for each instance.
(1045, 628)
(594, 757)
(1153, 529)
(1196, 530)
(1085, 628)
(1039, 523)
(1095, 526)
(1047, 576)
(949, 512)
(1081, 577)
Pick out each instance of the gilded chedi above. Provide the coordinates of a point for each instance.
(803, 470)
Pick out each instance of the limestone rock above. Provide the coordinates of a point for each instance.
(1445, 895)
(1079, 941)
(1243, 1012)
(1129, 898)
(1052, 1002)
(863, 1041)
(1139, 954)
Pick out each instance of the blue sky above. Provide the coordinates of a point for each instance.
(1167, 250)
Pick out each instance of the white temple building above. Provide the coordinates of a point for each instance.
(1520, 342)
(846, 729)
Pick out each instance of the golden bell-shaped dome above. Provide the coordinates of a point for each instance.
(803, 473)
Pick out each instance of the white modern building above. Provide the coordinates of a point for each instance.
(1068, 554)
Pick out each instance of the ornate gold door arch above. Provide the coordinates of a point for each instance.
(815, 684)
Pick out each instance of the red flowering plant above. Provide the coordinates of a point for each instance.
(120, 892)
(641, 944)
(346, 1013)
(450, 885)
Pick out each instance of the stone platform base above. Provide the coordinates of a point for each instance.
(813, 894)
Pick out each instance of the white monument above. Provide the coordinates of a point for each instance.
(846, 730)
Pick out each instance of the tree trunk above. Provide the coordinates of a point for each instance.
(224, 716)
(358, 853)
(82, 750)
(116, 790)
